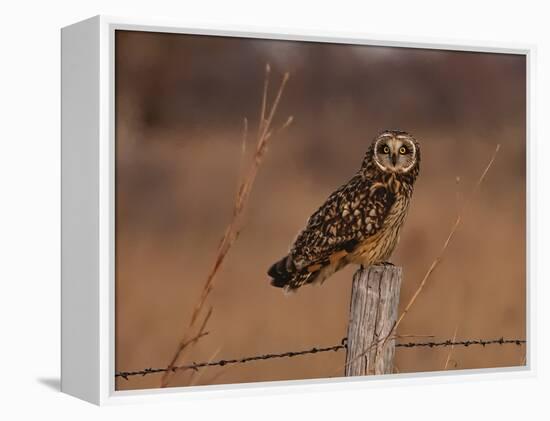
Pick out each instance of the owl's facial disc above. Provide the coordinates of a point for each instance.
(394, 153)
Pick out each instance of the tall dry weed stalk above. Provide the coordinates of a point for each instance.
(247, 178)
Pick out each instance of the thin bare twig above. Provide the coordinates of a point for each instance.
(458, 195)
(264, 99)
(196, 377)
(524, 359)
(184, 343)
(414, 336)
(235, 225)
(451, 350)
(243, 150)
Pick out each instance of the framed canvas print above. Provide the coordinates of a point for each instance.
(244, 209)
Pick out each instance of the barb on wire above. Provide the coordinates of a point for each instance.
(343, 345)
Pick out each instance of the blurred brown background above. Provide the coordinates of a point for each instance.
(180, 101)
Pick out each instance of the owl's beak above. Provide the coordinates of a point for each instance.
(394, 159)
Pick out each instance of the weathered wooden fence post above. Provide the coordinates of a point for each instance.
(373, 312)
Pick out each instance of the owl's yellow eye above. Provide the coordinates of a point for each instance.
(402, 150)
(386, 149)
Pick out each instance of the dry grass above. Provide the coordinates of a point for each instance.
(231, 234)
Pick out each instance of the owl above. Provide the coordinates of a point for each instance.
(360, 222)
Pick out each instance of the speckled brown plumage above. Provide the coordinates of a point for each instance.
(360, 222)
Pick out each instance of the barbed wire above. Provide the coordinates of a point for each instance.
(315, 350)
(466, 343)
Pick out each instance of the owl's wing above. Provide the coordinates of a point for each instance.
(351, 214)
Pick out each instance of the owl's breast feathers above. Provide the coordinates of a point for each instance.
(351, 226)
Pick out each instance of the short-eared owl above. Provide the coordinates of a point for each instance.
(360, 222)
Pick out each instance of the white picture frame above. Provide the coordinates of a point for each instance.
(88, 163)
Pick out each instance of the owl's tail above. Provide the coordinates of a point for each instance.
(281, 272)
(285, 275)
